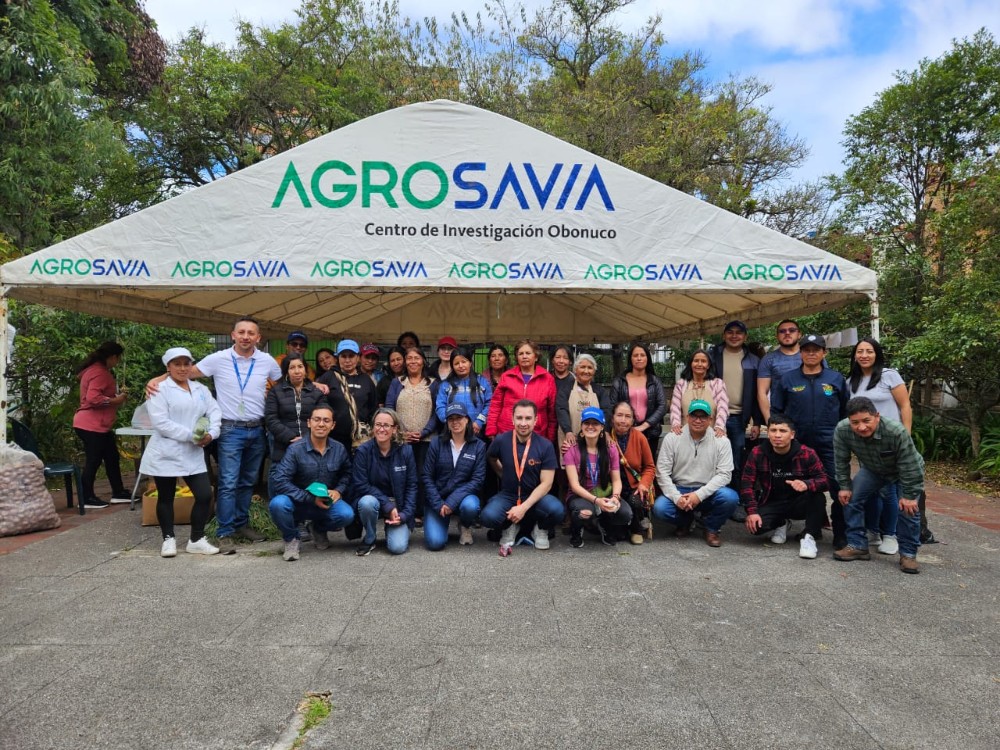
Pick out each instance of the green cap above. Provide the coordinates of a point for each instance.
(700, 405)
(318, 489)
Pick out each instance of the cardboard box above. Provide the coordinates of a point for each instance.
(183, 503)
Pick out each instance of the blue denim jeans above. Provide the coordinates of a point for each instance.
(397, 538)
(882, 513)
(714, 509)
(737, 434)
(288, 514)
(545, 514)
(241, 449)
(867, 485)
(436, 525)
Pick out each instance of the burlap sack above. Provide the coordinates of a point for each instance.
(25, 503)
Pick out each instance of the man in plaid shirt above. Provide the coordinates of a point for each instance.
(886, 454)
(783, 480)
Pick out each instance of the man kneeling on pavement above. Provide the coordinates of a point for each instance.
(311, 481)
(886, 454)
(693, 470)
(784, 480)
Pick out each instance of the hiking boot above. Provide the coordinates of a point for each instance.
(635, 538)
(807, 547)
(540, 537)
(780, 535)
(320, 539)
(251, 535)
(465, 535)
(291, 552)
(712, 538)
(908, 564)
(888, 546)
(850, 554)
(202, 547)
(169, 547)
(227, 546)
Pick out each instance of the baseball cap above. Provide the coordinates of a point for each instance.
(592, 412)
(456, 410)
(447, 341)
(369, 348)
(736, 324)
(813, 339)
(317, 489)
(298, 335)
(348, 345)
(175, 352)
(700, 405)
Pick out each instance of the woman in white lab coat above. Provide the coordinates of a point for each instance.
(185, 418)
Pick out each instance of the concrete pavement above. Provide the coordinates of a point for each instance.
(103, 644)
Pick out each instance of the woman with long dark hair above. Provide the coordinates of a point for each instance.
(94, 422)
(499, 363)
(698, 380)
(465, 386)
(640, 386)
(287, 408)
(870, 376)
(595, 482)
(325, 360)
(395, 366)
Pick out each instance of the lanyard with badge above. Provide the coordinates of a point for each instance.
(242, 382)
(520, 464)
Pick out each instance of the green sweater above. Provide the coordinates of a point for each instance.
(889, 453)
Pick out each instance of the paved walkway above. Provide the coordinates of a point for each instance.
(103, 644)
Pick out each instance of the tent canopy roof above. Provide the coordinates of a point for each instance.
(445, 219)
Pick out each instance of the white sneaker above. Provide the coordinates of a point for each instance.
(465, 537)
(202, 547)
(889, 545)
(807, 547)
(509, 535)
(541, 538)
(780, 535)
(875, 539)
(169, 547)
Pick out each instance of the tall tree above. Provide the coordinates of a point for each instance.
(916, 159)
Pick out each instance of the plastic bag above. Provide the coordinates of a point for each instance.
(25, 503)
(140, 418)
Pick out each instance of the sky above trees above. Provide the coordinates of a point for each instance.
(826, 59)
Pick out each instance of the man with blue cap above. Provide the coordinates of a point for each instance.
(693, 470)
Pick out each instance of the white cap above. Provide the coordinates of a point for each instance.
(175, 352)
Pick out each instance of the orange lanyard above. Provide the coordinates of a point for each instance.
(519, 464)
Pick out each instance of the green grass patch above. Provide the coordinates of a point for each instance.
(260, 520)
(315, 709)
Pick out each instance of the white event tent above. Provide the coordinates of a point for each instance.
(445, 219)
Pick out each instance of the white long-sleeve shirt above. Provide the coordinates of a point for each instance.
(706, 464)
(174, 413)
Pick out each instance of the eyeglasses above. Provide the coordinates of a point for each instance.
(697, 417)
(321, 420)
(296, 345)
(380, 426)
(788, 330)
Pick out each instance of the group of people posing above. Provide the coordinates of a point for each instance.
(521, 450)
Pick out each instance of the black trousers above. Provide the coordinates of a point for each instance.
(810, 506)
(166, 488)
(100, 447)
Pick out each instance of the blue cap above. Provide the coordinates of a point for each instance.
(348, 345)
(592, 413)
(456, 410)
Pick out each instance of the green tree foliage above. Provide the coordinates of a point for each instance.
(920, 177)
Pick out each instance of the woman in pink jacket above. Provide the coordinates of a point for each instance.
(526, 380)
(94, 422)
(698, 380)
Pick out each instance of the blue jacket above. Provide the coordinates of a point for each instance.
(448, 484)
(816, 403)
(750, 407)
(384, 477)
(303, 465)
(459, 393)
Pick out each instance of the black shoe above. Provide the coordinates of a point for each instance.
(926, 536)
(95, 502)
(226, 545)
(364, 549)
(576, 538)
(121, 497)
(607, 537)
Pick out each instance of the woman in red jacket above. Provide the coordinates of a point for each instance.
(526, 380)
